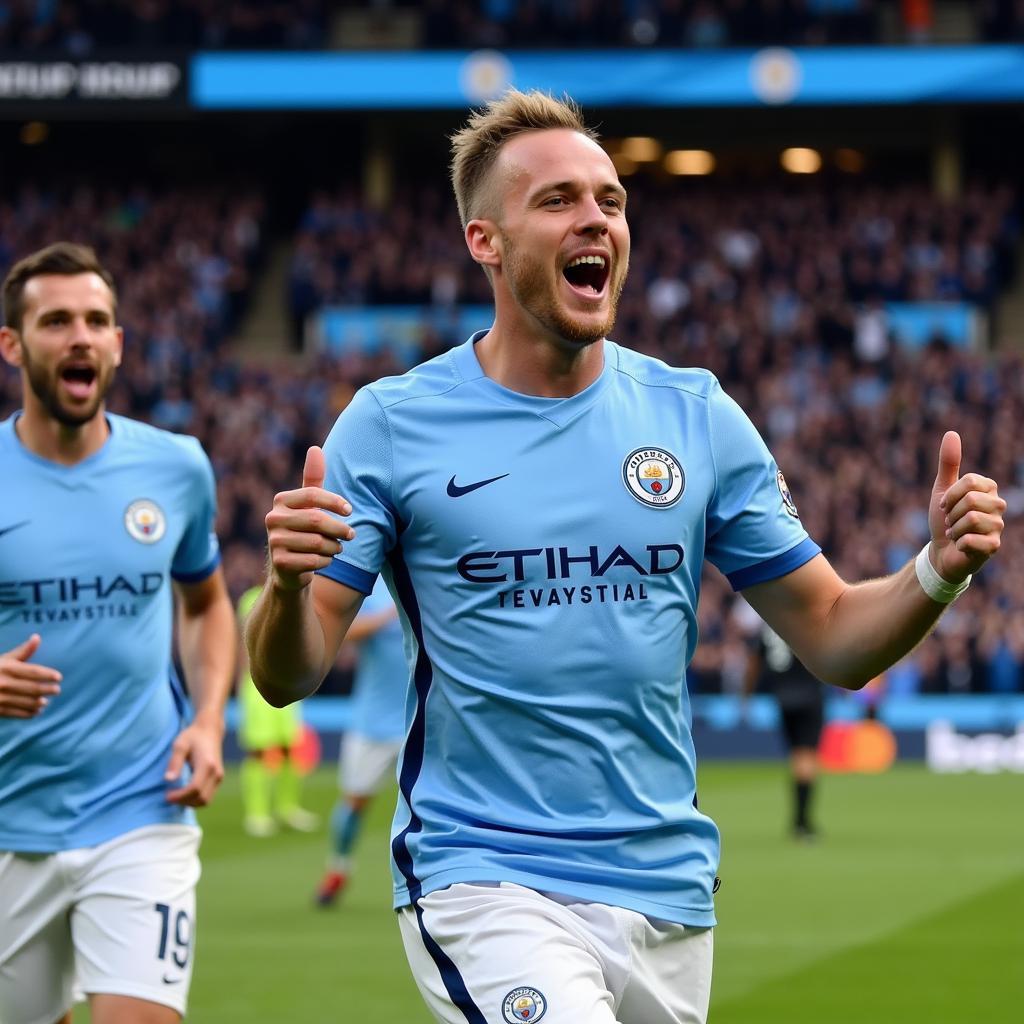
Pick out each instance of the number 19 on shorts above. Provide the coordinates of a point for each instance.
(175, 936)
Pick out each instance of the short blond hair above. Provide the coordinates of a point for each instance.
(476, 146)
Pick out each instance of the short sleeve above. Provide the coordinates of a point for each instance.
(359, 468)
(754, 533)
(198, 552)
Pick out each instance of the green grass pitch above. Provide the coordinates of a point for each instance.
(910, 909)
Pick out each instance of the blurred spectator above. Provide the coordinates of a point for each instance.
(84, 26)
(79, 27)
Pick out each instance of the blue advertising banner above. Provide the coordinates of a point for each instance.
(651, 78)
(366, 330)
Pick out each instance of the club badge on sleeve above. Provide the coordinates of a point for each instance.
(787, 499)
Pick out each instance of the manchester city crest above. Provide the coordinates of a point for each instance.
(523, 1004)
(787, 499)
(653, 476)
(145, 521)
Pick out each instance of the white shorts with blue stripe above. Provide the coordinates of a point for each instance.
(489, 953)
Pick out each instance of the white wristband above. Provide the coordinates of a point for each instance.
(937, 588)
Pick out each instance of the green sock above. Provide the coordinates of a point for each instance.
(255, 788)
(289, 785)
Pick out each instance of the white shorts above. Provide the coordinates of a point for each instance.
(117, 919)
(485, 953)
(366, 764)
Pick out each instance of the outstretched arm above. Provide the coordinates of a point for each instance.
(846, 634)
(300, 619)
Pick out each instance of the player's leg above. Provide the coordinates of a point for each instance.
(257, 735)
(670, 981)
(345, 825)
(804, 767)
(133, 924)
(36, 957)
(802, 728)
(107, 1009)
(489, 954)
(288, 809)
(257, 779)
(364, 766)
(804, 735)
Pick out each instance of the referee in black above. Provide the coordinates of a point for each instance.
(773, 668)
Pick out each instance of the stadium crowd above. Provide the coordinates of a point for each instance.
(86, 27)
(80, 28)
(779, 292)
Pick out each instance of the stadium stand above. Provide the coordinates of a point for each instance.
(81, 28)
(781, 292)
(90, 26)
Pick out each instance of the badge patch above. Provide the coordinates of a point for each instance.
(787, 499)
(523, 1004)
(144, 520)
(653, 476)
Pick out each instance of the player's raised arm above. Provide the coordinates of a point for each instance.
(25, 687)
(847, 634)
(299, 621)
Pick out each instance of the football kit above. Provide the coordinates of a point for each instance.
(546, 555)
(97, 869)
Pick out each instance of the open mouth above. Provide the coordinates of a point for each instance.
(588, 274)
(78, 379)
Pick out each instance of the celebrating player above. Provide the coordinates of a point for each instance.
(106, 524)
(540, 502)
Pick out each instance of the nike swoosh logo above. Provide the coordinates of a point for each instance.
(455, 491)
(7, 529)
(170, 981)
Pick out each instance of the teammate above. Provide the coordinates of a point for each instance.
(801, 701)
(106, 525)
(540, 502)
(374, 736)
(271, 782)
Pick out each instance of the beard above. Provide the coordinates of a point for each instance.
(45, 386)
(533, 289)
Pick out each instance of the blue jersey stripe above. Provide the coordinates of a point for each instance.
(453, 982)
(412, 758)
(351, 575)
(197, 577)
(775, 567)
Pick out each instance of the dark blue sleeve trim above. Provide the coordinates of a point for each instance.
(350, 575)
(196, 577)
(774, 567)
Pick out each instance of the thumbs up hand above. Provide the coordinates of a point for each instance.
(302, 532)
(965, 516)
(25, 687)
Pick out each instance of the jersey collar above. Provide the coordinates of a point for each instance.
(559, 411)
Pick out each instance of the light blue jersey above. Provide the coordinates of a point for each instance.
(87, 555)
(546, 555)
(382, 675)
